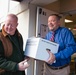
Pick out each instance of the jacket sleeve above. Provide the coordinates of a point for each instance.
(69, 45)
(4, 63)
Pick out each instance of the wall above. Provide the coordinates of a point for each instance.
(23, 25)
(31, 33)
(32, 20)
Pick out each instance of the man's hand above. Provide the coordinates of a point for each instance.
(23, 65)
(51, 58)
(27, 58)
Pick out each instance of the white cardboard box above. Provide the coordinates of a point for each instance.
(37, 48)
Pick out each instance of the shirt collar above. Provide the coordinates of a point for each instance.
(3, 32)
(57, 29)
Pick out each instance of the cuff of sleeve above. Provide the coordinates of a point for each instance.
(17, 68)
(57, 57)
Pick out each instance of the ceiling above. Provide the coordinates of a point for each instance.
(17, 0)
(42, 2)
(38, 2)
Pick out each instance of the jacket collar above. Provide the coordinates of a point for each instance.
(3, 32)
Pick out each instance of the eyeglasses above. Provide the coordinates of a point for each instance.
(11, 25)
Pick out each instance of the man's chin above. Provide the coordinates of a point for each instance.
(51, 29)
(9, 33)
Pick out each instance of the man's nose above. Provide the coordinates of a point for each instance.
(50, 23)
(9, 26)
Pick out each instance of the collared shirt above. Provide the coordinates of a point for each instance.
(67, 45)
